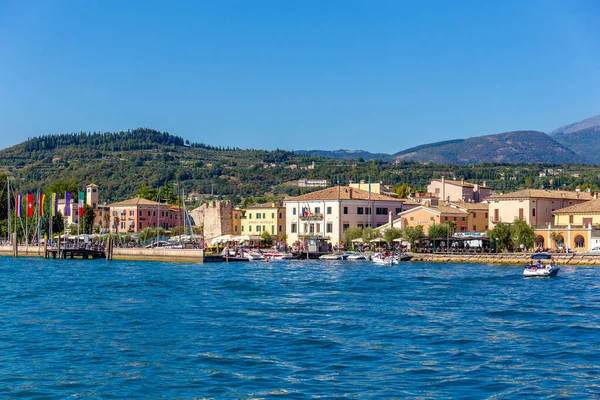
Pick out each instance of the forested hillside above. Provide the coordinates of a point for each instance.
(122, 163)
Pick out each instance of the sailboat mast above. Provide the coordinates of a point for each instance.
(8, 204)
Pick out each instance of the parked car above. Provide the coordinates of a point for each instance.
(594, 250)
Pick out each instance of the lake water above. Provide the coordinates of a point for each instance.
(299, 329)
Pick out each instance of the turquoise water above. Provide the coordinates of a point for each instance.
(298, 329)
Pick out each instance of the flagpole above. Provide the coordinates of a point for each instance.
(8, 201)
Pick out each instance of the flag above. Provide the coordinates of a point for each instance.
(54, 205)
(42, 200)
(81, 201)
(30, 204)
(68, 197)
(19, 206)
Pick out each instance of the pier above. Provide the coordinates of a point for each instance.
(74, 253)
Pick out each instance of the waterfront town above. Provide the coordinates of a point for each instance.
(561, 220)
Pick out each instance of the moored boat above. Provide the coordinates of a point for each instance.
(544, 266)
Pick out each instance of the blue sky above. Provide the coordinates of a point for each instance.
(375, 75)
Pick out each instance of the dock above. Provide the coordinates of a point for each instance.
(74, 253)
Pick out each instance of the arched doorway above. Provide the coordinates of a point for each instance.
(579, 242)
(539, 241)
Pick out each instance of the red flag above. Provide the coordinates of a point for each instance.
(29, 204)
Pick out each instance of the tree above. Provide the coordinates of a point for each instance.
(438, 231)
(116, 221)
(402, 191)
(106, 219)
(247, 202)
(502, 235)
(352, 233)
(370, 234)
(87, 220)
(412, 234)
(557, 238)
(267, 238)
(391, 234)
(522, 233)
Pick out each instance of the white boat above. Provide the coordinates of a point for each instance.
(254, 255)
(278, 256)
(334, 256)
(541, 269)
(384, 260)
(358, 257)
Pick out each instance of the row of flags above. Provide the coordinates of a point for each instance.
(41, 200)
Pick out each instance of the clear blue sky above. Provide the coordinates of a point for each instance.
(374, 75)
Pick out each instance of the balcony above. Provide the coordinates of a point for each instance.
(311, 217)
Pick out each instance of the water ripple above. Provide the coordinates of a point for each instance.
(93, 329)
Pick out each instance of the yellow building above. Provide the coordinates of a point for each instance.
(236, 221)
(576, 226)
(261, 218)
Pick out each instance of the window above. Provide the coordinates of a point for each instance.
(294, 211)
(329, 228)
(345, 226)
(264, 228)
(317, 210)
(154, 213)
(455, 219)
(242, 228)
(381, 211)
(446, 218)
(345, 210)
(280, 228)
(312, 228)
(94, 190)
(486, 215)
(474, 228)
(570, 219)
(140, 213)
(462, 228)
(249, 215)
(257, 215)
(263, 215)
(368, 211)
(412, 218)
(463, 219)
(360, 210)
(433, 218)
(235, 228)
(114, 213)
(318, 228)
(533, 212)
(360, 225)
(294, 228)
(474, 215)
(131, 213)
(122, 225)
(520, 213)
(249, 228)
(398, 211)
(280, 216)
(139, 225)
(148, 212)
(272, 229)
(328, 210)
(272, 215)
(94, 206)
(235, 216)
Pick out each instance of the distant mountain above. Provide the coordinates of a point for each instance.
(509, 147)
(346, 154)
(577, 126)
(582, 137)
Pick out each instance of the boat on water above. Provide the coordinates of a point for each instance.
(358, 257)
(385, 259)
(543, 267)
(334, 256)
(276, 256)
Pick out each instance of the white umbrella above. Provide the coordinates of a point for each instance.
(359, 240)
(377, 240)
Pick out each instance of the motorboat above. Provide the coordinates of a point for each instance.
(358, 257)
(334, 256)
(254, 255)
(275, 256)
(405, 257)
(543, 267)
(383, 259)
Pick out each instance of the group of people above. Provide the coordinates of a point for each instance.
(539, 264)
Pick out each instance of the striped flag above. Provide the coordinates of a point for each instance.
(81, 202)
(68, 198)
(19, 206)
(42, 202)
(54, 204)
(30, 204)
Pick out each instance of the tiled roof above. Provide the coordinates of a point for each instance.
(342, 193)
(542, 194)
(471, 206)
(436, 210)
(265, 205)
(136, 201)
(456, 183)
(592, 207)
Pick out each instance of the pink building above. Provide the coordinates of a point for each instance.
(136, 214)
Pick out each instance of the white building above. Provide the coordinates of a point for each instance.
(328, 212)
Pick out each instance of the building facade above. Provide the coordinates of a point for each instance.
(453, 191)
(329, 212)
(136, 214)
(426, 216)
(535, 206)
(261, 218)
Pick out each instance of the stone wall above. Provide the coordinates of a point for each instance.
(216, 217)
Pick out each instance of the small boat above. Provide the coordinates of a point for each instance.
(358, 257)
(254, 255)
(334, 256)
(383, 259)
(541, 268)
(278, 256)
(405, 257)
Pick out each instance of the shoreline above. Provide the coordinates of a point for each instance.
(170, 255)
